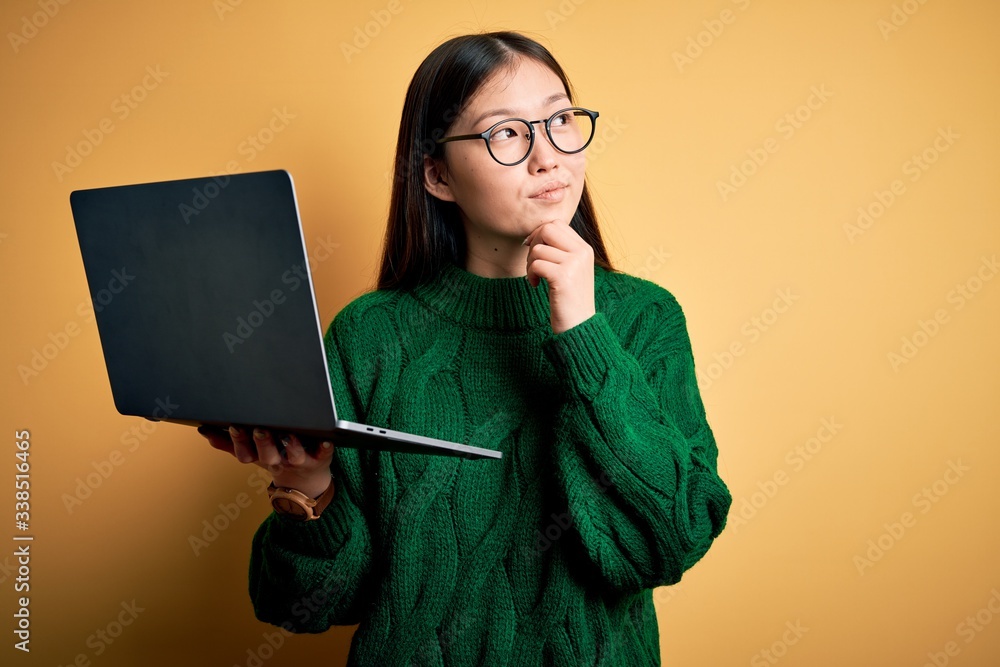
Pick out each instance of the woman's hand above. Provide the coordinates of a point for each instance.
(558, 254)
(291, 466)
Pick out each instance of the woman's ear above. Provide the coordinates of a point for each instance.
(436, 179)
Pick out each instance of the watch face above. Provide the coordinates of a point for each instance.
(286, 506)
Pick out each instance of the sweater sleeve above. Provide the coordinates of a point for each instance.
(634, 454)
(306, 576)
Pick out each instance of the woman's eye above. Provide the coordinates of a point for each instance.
(503, 133)
(562, 119)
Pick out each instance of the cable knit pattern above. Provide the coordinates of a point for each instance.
(607, 487)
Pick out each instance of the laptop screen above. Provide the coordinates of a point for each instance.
(203, 301)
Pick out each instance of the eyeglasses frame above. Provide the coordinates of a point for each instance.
(531, 136)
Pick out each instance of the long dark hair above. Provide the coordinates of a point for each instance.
(422, 231)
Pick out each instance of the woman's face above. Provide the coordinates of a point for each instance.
(501, 204)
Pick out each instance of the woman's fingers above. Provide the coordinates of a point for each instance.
(294, 451)
(324, 453)
(538, 256)
(259, 445)
(218, 438)
(267, 449)
(307, 454)
(243, 445)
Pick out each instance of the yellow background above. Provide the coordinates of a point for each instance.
(672, 130)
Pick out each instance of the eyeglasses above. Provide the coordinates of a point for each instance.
(510, 141)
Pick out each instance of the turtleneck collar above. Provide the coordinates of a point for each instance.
(509, 304)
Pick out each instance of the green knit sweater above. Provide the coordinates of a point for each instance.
(607, 486)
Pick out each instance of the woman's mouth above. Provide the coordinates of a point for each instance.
(554, 193)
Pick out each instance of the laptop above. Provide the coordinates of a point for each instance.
(205, 309)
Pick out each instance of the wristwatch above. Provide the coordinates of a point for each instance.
(297, 505)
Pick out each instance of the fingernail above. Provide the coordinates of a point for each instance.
(235, 432)
(286, 441)
(258, 434)
(525, 241)
(327, 445)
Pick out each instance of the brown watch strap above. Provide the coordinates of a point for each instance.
(324, 500)
(310, 508)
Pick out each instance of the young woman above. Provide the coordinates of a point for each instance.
(498, 321)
